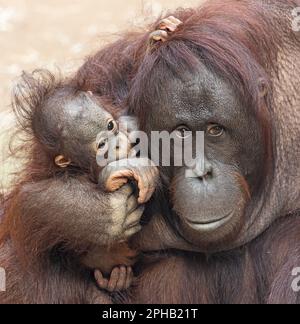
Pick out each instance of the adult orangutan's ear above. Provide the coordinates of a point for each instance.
(62, 162)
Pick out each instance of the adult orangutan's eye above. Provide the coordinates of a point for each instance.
(215, 130)
(112, 125)
(183, 131)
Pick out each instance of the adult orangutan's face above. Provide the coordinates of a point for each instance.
(210, 208)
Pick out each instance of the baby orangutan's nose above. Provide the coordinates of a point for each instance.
(164, 29)
(122, 146)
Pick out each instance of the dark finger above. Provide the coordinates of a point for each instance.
(101, 281)
(122, 279)
(132, 204)
(134, 218)
(113, 279)
(129, 278)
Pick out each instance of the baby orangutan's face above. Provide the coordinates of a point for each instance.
(112, 144)
(90, 129)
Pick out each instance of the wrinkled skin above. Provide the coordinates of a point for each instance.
(210, 207)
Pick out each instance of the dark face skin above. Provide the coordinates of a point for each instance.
(86, 129)
(210, 209)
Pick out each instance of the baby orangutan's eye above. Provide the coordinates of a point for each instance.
(112, 125)
(183, 131)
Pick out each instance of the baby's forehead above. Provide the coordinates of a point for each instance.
(78, 106)
(83, 105)
(78, 115)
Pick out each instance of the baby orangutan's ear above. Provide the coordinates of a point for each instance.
(62, 162)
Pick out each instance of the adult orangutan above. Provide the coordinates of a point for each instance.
(232, 70)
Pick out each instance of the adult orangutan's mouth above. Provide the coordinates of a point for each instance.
(209, 225)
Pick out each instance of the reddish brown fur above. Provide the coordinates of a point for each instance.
(241, 44)
(237, 50)
(42, 264)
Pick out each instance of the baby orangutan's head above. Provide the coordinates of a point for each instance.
(72, 125)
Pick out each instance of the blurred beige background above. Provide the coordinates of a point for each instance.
(47, 33)
(60, 33)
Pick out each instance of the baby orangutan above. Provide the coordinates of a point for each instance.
(76, 129)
